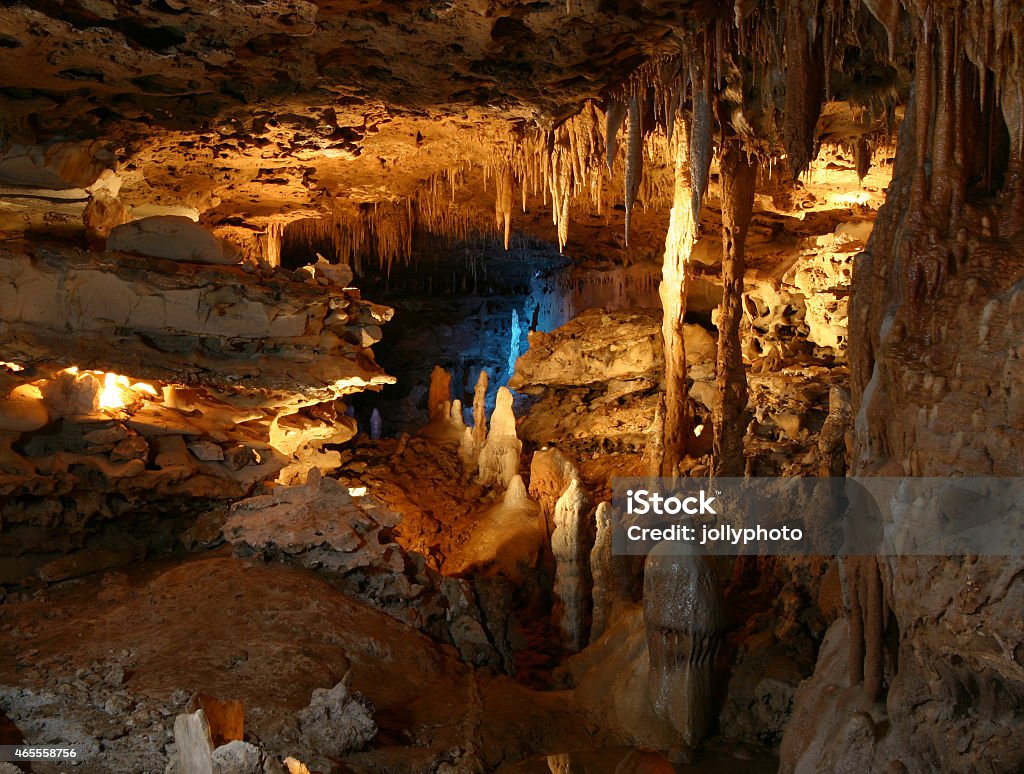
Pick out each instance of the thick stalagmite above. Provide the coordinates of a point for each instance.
(678, 426)
(730, 425)
(684, 620)
(569, 544)
(499, 457)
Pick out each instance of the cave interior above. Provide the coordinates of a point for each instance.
(328, 327)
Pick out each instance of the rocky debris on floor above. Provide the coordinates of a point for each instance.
(336, 722)
(194, 751)
(306, 660)
(322, 525)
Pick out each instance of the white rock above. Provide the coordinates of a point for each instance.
(237, 757)
(337, 721)
(171, 236)
(192, 739)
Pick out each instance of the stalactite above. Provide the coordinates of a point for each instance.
(503, 201)
(561, 182)
(805, 90)
(700, 144)
(730, 423)
(923, 96)
(958, 191)
(634, 160)
(862, 157)
(888, 14)
(615, 114)
(944, 125)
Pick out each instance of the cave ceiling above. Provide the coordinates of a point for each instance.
(246, 113)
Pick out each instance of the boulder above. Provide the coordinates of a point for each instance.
(174, 237)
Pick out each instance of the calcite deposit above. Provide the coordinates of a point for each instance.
(329, 330)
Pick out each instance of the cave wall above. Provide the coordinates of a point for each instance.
(936, 373)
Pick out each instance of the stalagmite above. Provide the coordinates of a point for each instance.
(634, 159)
(570, 546)
(730, 424)
(550, 475)
(480, 409)
(194, 746)
(609, 575)
(499, 457)
(866, 613)
(684, 619)
(272, 243)
(678, 425)
(439, 399)
(376, 425)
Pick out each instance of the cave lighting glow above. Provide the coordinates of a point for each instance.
(513, 347)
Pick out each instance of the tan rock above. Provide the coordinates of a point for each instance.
(174, 237)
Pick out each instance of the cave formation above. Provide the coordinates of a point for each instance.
(328, 326)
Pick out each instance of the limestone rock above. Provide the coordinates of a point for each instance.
(57, 166)
(194, 749)
(598, 347)
(337, 721)
(237, 757)
(216, 326)
(23, 410)
(318, 523)
(173, 237)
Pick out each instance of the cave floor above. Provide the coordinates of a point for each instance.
(108, 660)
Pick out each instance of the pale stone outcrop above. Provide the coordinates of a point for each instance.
(224, 327)
(173, 237)
(194, 749)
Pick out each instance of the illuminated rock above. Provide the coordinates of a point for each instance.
(499, 457)
(174, 237)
